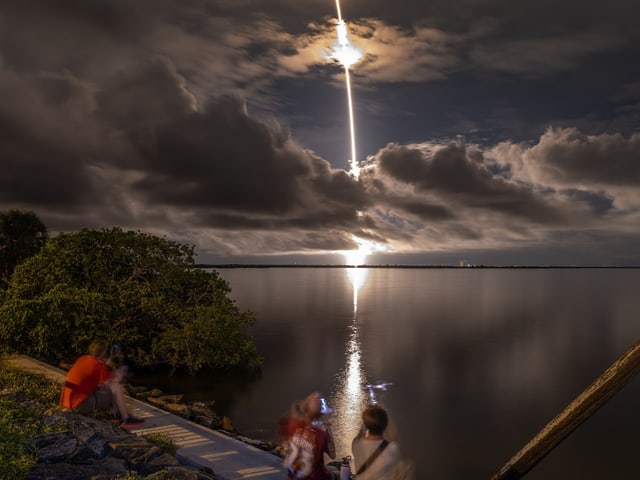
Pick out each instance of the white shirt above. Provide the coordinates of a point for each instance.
(382, 467)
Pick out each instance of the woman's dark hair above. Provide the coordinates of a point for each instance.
(375, 419)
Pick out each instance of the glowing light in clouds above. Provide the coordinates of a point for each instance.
(358, 256)
(343, 51)
(347, 55)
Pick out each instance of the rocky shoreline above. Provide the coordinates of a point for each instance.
(88, 448)
(202, 413)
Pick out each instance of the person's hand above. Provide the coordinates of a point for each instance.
(119, 374)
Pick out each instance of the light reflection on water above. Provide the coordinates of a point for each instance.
(348, 399)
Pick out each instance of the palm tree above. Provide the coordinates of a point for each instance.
(22, 234)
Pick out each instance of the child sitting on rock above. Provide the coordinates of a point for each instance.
(91, 385)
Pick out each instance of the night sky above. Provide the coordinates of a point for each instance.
(497, 131)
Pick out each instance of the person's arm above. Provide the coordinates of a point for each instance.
(103, 373)
(331, 446)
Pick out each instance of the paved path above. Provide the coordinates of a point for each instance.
(229, 458)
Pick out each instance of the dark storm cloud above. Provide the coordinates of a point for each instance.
(146, 96)
(84, 37)
(422, 210)
(46, 138)
(454, 175)
(219, 156)
(139, 142)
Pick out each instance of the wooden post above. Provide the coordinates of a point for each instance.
(585, 405)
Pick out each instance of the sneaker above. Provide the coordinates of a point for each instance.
(115, 417)
(131, 422)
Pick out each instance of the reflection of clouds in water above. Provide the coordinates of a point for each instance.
(349, 399)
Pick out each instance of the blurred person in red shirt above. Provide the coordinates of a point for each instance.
(308, 439)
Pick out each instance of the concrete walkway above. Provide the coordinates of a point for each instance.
(229, 458)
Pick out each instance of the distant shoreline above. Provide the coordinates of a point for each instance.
(469, 267)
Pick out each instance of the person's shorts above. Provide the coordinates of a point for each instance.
(100, 399)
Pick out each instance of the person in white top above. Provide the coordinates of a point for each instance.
(374, 458)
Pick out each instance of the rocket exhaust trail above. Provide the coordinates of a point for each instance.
(347, 55)
(355, 169)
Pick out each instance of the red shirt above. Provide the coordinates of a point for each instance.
(84, 377)
(307, 445)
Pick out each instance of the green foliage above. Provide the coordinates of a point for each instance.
(130, 475)
(22, 234)
(22, 420)
(163, 441)
(134, 288)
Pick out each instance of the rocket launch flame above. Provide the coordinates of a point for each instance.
(347, 55)
(343, 51)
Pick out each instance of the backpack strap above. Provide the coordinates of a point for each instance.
(373, 456)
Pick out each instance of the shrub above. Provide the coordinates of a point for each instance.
(137, 289)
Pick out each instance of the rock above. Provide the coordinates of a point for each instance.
(94, 436)
(53, 447)
(203, 414)
(94, 469)
(178, 409)
(227, 424)
(141, 455)
(136, 391)
(18, 397)
(267, 446)
(181, 473)
(159, 463)
(172, 398)
(93, 449)
(281, 450)
(56, 417)
(133, 449)
(158, 401)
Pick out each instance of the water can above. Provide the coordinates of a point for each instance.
(345, 469)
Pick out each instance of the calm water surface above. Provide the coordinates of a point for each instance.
(480, 360)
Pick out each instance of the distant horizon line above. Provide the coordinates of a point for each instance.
(407, 266)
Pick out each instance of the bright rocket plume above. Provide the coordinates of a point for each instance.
(347, 55)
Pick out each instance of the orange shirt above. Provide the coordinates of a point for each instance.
(84, 377)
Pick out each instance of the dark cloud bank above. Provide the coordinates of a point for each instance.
(115, 132)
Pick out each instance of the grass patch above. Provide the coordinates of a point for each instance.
(25, 400)
(162, 441)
